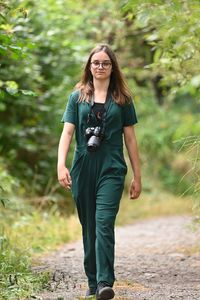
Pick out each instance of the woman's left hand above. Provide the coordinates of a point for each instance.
(135, 188)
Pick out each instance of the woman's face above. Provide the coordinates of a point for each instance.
(100, 65)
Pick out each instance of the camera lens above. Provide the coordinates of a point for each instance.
(93, 136)
(93, 143)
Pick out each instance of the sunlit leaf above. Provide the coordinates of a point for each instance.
(15, 48)
(11, 87)
(195, 81)
(7, 27)
(2, 106)
(28, 93)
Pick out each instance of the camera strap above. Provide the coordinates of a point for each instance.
(106, 106)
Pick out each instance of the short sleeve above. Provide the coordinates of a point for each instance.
(70, 111)
(129, 115)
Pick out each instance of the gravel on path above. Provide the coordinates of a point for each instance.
(152, 263)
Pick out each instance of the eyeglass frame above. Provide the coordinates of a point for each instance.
(101, 64)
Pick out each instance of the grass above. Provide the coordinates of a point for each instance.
(153, 205)
(28, 233)
(17, 280)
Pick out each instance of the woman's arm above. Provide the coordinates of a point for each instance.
(131, 145)
(63, 149)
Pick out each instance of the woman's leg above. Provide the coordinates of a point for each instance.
(107, 205)
(84, 190)
(86, 212)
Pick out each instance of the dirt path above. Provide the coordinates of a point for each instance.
(152, 263)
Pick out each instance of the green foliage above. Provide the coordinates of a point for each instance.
(44, 50)
(26, 232)
(48, 49)
(8, 184)
(191, 146)
(43, 46)
(28, 225)
(160, 132)
(171, 29)
(17, 280)
(164, 51)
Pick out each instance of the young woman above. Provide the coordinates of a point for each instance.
(100, 111)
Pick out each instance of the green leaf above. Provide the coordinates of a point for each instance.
(4, 18)
(195, 81)
(142, 19)
(2, 107)
(3, 50)
(28, 93)
(15, 48)
(11, 87)
(157, 55)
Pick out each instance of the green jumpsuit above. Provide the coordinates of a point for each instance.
(98, 182)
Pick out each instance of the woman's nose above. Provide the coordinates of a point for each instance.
(100, 66)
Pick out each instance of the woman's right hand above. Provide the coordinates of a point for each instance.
(64, 177)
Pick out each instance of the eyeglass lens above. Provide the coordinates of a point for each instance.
(104, 64)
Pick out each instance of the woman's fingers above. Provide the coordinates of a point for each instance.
(135, 190)
(65, 179)
(68, 177)
(65, 183)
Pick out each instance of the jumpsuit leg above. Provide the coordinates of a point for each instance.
(107, 206)
(97, 188)
(84, 184)
(87, 218)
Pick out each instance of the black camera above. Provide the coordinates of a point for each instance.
(94, 135)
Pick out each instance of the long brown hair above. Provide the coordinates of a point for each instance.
(117, 87)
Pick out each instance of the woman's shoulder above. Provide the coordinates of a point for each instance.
(75, 95)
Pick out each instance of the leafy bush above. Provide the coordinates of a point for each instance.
(25, 233)
(17, 280)
(161, 132)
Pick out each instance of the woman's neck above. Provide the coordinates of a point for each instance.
(100, 89)
(101, 85)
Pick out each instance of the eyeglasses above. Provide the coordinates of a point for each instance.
(104, 64)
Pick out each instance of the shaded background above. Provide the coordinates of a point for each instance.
(43, 48)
